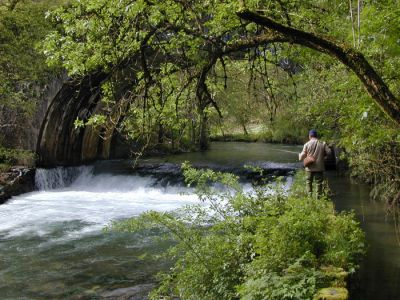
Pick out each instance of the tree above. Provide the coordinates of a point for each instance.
(171, 38)
(188, 39)
(23, 70)
(353, 59)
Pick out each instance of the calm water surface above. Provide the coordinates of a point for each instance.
(52, 245)
(379, 277)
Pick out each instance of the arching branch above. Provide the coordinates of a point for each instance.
(353, 59)
(254, 41)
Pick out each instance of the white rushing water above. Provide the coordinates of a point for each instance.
(92, 201)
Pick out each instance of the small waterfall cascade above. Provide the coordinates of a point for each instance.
(60, 177)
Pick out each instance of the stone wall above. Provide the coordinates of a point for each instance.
(60, 143)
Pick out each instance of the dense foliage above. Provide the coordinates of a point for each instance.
(21, 28)
(268, 244)
(24, 73)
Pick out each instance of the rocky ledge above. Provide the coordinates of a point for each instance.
(17, 180)
(138, 292)
(251, 172)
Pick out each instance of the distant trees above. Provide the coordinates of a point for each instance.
(23, 70)
(22, 27)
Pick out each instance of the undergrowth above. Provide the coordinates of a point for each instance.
(267, 244)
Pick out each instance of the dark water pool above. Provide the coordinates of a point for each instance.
(379, 276)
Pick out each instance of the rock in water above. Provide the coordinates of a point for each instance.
(137, 292)
(17, 180)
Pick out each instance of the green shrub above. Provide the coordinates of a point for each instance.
(260, 245)
(10, 157)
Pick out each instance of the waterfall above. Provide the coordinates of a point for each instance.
(60, 177)
(77, 201)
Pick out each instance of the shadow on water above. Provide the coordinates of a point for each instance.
(379, 275)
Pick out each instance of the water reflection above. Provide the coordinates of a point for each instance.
(380, 271)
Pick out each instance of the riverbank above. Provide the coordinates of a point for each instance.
(16, 180)
(257, 137)
(273, 244)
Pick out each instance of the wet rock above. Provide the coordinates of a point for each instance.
(17, 180)
(252, 171)
(171, 173)
(159, 169)
(137, 292)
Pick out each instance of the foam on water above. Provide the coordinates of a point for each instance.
(93, 201)
(90, 201)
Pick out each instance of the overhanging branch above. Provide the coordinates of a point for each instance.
(353, 59)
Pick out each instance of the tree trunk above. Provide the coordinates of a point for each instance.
(203, 138)
(193, 135)
(353, 59)
(245, 129)
(160, 138)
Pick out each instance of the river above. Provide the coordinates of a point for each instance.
(52, 243)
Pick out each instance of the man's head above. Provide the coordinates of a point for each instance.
(312, 134)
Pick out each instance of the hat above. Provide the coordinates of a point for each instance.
(313, 133)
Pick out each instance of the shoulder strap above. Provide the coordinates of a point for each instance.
(315, 148)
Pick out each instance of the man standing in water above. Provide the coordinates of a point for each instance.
(315, 170)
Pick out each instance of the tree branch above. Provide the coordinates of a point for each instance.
(244, 44)
(353, 59)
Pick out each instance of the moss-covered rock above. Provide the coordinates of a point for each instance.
(336, 276)
(332, 293)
